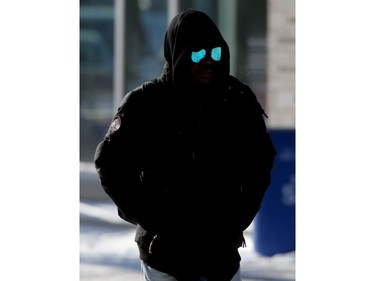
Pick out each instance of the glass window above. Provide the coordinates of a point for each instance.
(146, 21)
(96, 73)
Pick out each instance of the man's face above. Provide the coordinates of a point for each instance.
(204, 64)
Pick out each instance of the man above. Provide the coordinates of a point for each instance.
(187, 158)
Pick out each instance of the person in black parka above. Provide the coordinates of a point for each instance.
(188, 158)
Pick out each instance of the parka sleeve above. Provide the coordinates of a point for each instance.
(119, 162)
(117, 159)
(259, 159)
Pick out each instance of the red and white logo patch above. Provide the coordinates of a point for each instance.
(116, 124)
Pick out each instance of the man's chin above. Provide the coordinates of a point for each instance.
(206, 77)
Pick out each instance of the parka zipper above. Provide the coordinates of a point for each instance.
(150, 246)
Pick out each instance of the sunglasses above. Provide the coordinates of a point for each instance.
(196, 57)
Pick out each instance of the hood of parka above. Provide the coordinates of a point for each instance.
(191, 30)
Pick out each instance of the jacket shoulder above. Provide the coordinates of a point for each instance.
(141, 95)
(244, 94)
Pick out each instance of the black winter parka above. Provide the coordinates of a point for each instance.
(188, 166)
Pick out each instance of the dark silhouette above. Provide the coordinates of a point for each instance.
(187, 158)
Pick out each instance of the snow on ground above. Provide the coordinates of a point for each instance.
(108, 250)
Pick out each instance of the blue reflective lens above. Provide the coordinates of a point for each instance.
(216, 53)
(198, 56)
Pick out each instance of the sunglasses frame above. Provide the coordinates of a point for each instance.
(197, 57)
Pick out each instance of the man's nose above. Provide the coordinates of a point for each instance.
(207, 60)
